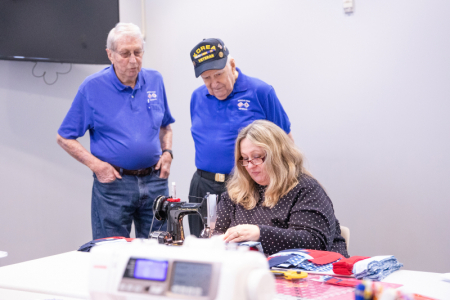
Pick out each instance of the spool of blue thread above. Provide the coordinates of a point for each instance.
(359, 291)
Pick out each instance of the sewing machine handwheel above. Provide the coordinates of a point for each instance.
(157, 207)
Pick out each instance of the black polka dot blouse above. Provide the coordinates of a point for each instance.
(303, 218)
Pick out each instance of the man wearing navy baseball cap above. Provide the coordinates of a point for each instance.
(228, 101)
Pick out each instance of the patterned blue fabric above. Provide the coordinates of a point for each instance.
(296, 260)
(292, 262)
(300, 262)
(280, 261)
(309, 266)
(378, 270)
(256, 245)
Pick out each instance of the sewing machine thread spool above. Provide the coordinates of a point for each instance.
(174, 194)
(174, 190)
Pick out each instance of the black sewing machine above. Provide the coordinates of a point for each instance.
(173, 210)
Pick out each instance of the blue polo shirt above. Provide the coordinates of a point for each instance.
(123, 123)
(216, 123)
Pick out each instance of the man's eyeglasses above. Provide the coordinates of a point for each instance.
(255, 161)
(137, 53)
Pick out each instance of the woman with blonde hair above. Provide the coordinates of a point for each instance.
(273, 199)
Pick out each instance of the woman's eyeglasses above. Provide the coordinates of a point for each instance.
(255, 161)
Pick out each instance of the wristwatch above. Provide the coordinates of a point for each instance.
(167, 150)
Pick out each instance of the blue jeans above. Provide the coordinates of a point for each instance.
(116, 204)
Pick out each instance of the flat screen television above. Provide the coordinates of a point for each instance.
(69, 31)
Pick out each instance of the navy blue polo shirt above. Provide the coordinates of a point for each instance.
(123, 123)
(216, 123)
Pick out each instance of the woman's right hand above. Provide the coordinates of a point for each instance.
(242, 233)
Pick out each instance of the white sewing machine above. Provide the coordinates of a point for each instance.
(200, 269)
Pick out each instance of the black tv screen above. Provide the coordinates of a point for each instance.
(71, 31)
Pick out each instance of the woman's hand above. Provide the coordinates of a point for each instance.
(242, 233)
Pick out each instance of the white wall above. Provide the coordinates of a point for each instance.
(45, 205)
(367, 96)
(44, 193)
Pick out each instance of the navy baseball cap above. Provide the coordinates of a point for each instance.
(209, 54)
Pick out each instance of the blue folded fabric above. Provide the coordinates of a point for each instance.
(309, 266)
(280, 260)
(298, 259)
(376, 268)
(255, 245)
(88, 246)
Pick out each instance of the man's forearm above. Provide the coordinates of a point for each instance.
(77, 151)
(165, 137)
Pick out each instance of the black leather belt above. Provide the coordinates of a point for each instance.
(140, 172)
(218, 177)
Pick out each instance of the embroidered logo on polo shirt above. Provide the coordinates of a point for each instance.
(243, 104)
(151, 96)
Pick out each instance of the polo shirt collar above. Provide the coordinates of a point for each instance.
(119, 85)
(140, 81)
(241, 85)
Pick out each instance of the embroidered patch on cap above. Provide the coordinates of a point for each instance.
(209, 54)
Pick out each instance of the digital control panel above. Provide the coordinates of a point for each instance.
(191, 279)
(196, 280)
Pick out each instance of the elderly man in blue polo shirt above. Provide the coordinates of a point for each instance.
(125, 109)
(228, 101)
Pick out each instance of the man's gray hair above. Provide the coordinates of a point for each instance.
(121, 30)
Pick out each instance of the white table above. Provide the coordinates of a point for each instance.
(65, 277)
(424, 283)
(59, 277)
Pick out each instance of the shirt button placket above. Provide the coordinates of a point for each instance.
(133, 104)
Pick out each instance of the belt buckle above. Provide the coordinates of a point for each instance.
(220, 177)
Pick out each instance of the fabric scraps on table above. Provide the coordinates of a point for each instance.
(115, 239)
(256, 246)
(305, 259)
(376, 268)
(345, 266)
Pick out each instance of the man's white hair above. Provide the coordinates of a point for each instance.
(121, 30)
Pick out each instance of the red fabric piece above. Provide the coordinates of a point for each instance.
(345, 266)
(117, 238)
(343, 282)
(323, 257)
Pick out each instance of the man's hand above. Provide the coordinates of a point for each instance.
(164, 164)
(105, 172)
(242, 233)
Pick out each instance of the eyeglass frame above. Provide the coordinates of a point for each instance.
(248, 161)
(128, 54)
